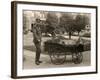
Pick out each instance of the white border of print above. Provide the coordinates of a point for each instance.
(23, 72)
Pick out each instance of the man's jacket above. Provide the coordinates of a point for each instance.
(36, 29)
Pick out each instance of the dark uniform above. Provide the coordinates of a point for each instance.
(36, 29)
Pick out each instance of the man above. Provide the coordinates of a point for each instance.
(36, 29)
(80, 44)
(80, 40)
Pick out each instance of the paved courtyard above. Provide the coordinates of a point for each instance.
(29, 56)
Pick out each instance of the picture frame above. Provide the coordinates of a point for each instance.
(23, 14)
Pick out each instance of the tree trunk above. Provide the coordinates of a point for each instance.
(69, 35)
(78, 33)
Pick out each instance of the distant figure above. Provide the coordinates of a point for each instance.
(80, 40)
(80, 44)
(37, 35)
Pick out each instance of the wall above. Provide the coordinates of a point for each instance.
(5, 40)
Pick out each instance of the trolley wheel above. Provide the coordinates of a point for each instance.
(77, 57)
(58, 58)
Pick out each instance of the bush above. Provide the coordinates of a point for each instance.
(86, 35)
(47, 35)
(25, 32)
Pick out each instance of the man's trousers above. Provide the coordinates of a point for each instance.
(38, 50)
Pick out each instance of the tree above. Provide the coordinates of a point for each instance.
(52, 23)
(81, 21)
(67, 22)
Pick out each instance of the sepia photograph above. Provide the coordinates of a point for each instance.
(56, 39)
(53, 39)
